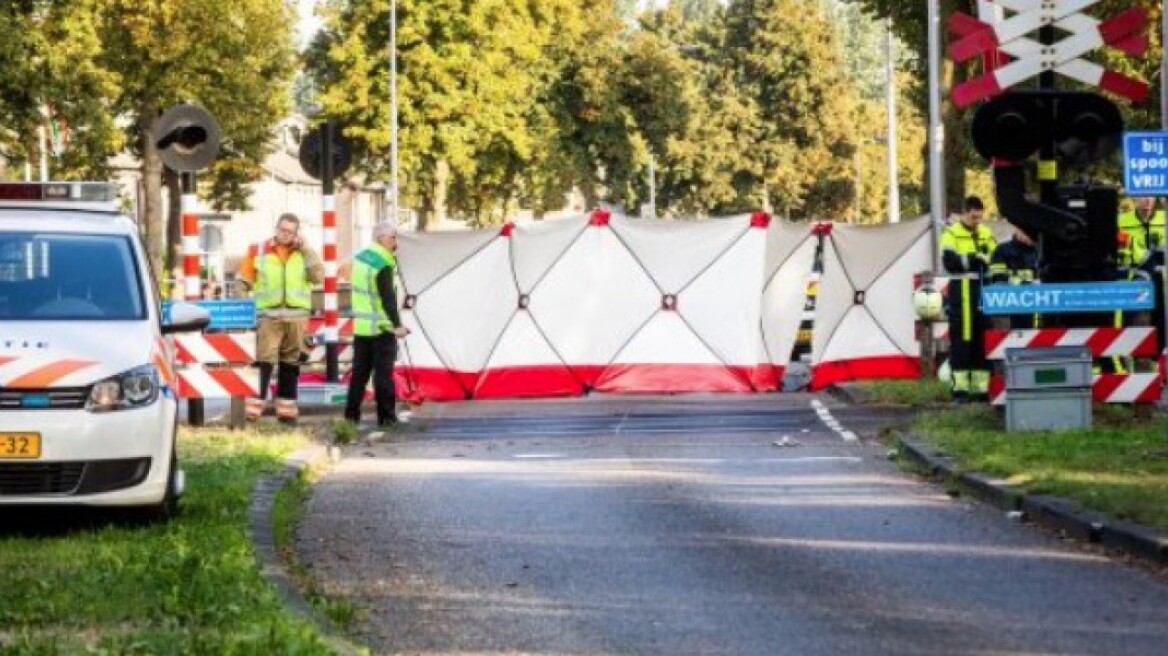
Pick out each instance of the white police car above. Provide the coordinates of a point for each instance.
(88, 413)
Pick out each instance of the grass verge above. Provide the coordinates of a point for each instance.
(87, 583)
(916, 393)
(1118, 467)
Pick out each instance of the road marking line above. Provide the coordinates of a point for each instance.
(831, 422)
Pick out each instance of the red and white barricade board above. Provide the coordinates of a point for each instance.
(216, 366)
(1135, 342)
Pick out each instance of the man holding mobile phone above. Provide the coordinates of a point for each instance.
(282, 271)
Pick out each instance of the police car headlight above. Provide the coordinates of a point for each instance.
(133, 389)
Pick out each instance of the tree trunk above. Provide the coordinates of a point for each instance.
(441, 189)
(152, 214)
(591, 198)
(426, 212)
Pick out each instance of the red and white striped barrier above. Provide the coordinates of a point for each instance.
(1139, 342)
(1125, 32)
(1106, 388)
(216, 366)
(217, 382)
(226, 348)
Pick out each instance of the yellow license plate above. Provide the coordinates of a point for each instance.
(20, 446)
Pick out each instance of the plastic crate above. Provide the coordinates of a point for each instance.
(1048, 409)
(1057, 367)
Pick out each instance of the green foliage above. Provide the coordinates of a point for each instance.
(803, 110)
(51, 78)
(99, 72)
(190, 586)
(503, 104)
(916, 393)
(343, 431)
(234, 59)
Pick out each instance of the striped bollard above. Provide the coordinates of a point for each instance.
(191, 278)
(192, 286)
(331, 332)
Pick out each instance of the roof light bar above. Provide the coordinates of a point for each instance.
(82, 192)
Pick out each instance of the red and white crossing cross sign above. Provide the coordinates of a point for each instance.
(1083, 34)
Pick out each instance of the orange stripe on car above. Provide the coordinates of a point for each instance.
(163, 361)
(48, 374)
(164, 369)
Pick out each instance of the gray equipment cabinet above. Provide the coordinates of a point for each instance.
(1048, 388)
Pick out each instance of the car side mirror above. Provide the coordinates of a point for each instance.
(186, 318)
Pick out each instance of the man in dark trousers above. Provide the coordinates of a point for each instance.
(376, 326)
(1015, 262)
(966, 247)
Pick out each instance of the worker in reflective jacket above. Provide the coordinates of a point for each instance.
(1130, 256)
(1015, 262)
(966, 247)
(282, 272)
(376, 326)
(1146, 226)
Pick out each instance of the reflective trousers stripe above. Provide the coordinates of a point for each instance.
(976, 381)
(966, 311)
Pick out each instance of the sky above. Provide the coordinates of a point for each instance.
(309, 24)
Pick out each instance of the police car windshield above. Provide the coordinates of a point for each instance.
(68, 277)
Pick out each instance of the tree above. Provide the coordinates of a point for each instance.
(594, 131)
(472, 81)
(235, 59)
(701, 12)
(861, 40)
(784, 59)
(51, 79)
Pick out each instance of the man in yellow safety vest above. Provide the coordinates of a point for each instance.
(376, 326)
(1145, 224)
(966, 248)
(282, 271)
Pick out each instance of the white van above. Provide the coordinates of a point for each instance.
(88, 412)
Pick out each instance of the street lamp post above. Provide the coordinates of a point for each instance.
(936, 127)
(860, 171)
(394, 192)
(890, 106)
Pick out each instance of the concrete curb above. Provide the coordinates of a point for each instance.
(260, 530)
(1056, 513)
(847, 393)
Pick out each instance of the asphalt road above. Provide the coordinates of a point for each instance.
(664, 526)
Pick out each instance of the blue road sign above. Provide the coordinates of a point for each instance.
(1077, 297)
(237, 314)
(1145, 163)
